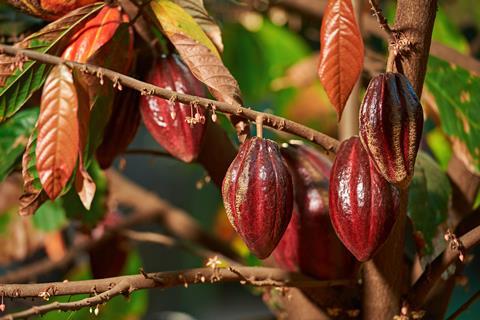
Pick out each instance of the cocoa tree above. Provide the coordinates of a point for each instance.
(323, 227)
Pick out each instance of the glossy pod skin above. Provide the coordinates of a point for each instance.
(363, 205)
(168, 122)
(391, 124)
(310, 244)
(258, 195)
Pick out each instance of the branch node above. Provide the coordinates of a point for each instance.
(455, 244)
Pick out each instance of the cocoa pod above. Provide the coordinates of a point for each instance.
(177, 127)
(48, 9)
(363, 205)
(121, 127)
(391, 124)
(258, 195)
(310, 244)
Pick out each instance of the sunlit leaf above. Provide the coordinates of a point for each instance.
(58, 138)
(428, 198)
(196, 50)
(197, 10)
(17, 85)
(456, 95)
(14, 135)
(341, 52)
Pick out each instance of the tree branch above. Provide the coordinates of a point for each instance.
(328, 144)
(434, 270)
(106, 289)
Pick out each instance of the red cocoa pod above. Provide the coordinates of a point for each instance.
(121, 127)
(258, 195)
(363, 205)
(108, 258)
(391, 124)
(310, 244)
(177, 127)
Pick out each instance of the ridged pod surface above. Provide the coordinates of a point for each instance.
(310, 244)
(391, 124)
(170, 123)
(363, 205)
(258, 195)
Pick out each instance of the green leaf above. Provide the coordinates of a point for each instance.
(444, 31)
(429, 196)
(14, 136)
(74, 207)
(457, 95)
(440, 147)
(50, 216)
(18, 86)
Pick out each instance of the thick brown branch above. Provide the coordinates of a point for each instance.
(328, 143)
(433, 271)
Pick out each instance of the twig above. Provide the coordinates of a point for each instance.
(149, 152)
(167, 279)
(121, 287)
(382, 21)
(328, 143)
(434, 270)
(465, 306)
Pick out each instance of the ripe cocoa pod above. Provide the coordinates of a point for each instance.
(121, 127)
(363, 205)
(258, 195)
(391, 123)
(177, 127)
(310, 244)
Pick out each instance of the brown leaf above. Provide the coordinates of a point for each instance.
(197, 10)
(84, 185)
(342, 51)
(33, 194)
(208, 68)
(58, 137)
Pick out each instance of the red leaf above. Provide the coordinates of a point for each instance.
(341, 54)
(58, 138)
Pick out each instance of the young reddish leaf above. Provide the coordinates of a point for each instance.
(33, 194)
(197, 51)
(55, 245)
(197, 10)
(18, 84)
(341, 54)
(97, 32)
(58, 138)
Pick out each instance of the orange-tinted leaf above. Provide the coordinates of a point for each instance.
(94, 34)
(341, 54)
(84, 185)
(58, 138)
(48, 9)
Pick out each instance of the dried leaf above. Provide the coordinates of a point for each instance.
(342, 52)
(197, 10)
(58, 137)
(33, 194)
(84, 185)
(197, 51)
